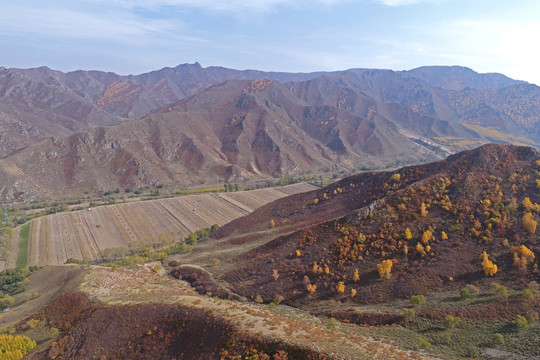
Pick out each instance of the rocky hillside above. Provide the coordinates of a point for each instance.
(39, 103)
(237, 130)
(243, 129)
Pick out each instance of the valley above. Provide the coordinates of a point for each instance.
(434, 261)
(110, 232)
(408, 228)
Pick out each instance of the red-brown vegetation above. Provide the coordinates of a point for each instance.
(470, 207)
(151, 331)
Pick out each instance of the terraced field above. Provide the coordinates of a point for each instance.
(87, 234)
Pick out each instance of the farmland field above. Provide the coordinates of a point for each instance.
(91, 234)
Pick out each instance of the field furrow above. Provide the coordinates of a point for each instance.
(295, 188)
(181, 229)
(122, 224)
(86, 234)
(33, 246)
(83, 241)
(186, 213)
(232, 200)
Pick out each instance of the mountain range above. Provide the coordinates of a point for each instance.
(91, 131)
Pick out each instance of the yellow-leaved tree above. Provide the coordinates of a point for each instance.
(326, 269)
(420, 249)
(527, 204)
(522, 257)
(427, 236)
(408, 234)
(14, 347)
(488, 266)
(356, 276)
(384, 269)
(529, 224)
(423, 211)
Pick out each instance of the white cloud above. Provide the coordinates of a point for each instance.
(249, 5)
(88, 24)
(80, 25)
(211, 5)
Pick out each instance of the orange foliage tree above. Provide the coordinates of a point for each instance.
(522, 256)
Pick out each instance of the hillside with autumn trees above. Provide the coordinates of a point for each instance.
(374, 237)
(441, 257)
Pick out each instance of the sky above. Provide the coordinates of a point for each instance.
(138, 36)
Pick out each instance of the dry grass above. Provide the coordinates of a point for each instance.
(142, 285)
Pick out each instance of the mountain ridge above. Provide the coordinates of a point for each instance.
(76, 100)
(238, 128)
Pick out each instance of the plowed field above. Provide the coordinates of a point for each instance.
(86, 234)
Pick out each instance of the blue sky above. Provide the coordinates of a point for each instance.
(132, 37)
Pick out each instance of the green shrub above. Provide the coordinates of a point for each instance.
(473, 289)
(497, 339)
(444, 338)
(7, 301)
(500, 291)
(450, 321)
(465, 293)
(474, 351)
(418, 299)
(521, 322)
(409, 313)
(527, 294)
(532, 316)
(424, 344)
(277, 300)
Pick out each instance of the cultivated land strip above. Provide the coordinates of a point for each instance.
(85, 234)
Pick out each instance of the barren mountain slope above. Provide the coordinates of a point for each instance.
(237, 130)
(39, 103)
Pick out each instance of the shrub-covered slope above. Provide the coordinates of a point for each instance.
(379, 236)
